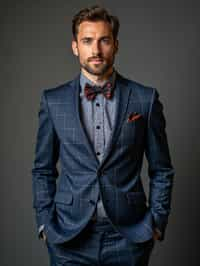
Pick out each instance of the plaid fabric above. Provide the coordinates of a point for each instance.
(90, 92)
(100, 244)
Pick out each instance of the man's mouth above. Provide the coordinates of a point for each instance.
(97, 60)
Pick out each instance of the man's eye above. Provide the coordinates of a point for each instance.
(86, 41)
(106, 41)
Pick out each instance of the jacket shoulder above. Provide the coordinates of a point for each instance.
(57, 91)
(141, 94)
(144, 92)
(141, 88)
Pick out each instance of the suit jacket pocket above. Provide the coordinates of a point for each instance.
(132, 132)
(136, 198)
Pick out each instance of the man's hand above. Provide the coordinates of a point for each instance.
(156, 234)
(43, 236)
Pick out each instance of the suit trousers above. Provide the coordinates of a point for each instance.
(99, 244)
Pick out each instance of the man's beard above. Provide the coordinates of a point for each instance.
(97, 70)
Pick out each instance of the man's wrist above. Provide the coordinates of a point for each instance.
(157, 234)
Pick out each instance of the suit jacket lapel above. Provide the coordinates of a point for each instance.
(122, 92)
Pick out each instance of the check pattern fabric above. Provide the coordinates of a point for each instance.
(91, 91)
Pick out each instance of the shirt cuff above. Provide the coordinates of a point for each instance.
(41, 228)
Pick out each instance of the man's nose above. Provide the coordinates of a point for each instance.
(96, 48)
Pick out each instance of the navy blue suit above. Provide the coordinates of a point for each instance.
(66, 205)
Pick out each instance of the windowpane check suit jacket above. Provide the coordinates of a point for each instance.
(65, 202)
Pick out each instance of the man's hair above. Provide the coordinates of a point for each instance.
(93, 14)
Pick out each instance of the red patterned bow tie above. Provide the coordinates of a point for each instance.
(91, 91)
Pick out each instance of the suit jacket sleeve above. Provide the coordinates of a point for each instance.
(44, 171)
(160, 169)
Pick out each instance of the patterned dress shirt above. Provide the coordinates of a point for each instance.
(97, 118)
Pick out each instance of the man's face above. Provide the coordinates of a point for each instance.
(95, 47)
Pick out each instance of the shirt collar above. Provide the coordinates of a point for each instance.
(84, 80)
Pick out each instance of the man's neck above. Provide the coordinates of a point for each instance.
(98, 80)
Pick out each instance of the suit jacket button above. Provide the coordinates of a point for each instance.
(92, 201)
(99, 173)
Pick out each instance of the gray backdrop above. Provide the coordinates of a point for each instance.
(159, 43)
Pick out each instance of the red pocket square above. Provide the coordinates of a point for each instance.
(133, 117)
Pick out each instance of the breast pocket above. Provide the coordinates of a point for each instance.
(132, 132)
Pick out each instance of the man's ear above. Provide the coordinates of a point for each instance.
(116, 45)
(74, 48)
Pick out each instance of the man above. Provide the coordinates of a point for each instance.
(99, 126)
